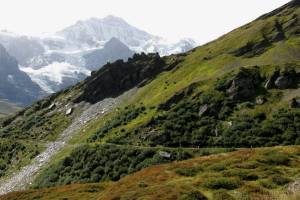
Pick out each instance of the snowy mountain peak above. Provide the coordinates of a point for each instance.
(55, 61)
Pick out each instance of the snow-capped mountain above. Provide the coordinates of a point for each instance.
(55, 61)
(95, 32)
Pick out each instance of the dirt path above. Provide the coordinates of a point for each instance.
(27, 174)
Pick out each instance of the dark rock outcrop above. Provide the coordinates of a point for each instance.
(271, 81)
(295, 103)
(287, 79)
(244, 84)
(115, 78)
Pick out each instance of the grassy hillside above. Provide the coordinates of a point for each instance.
(264, 173)
(239, 91)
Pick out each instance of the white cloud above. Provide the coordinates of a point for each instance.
(202, 20)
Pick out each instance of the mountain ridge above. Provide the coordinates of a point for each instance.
(70, 51)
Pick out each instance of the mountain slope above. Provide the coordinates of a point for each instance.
(112, 51)
(15, 85)
(266, 173)
(241, 90)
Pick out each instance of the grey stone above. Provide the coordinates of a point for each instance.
(203, 109)
(164, 154)
(283, 82)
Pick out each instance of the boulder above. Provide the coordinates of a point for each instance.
(284, 82)
(202, 110)
(287, 79)
(164, 154)
(244, 84)
(52, 106)
(295, 103)
(69, 111)
(270, 82)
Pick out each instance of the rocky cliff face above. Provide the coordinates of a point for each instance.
(15, 85)
(114, 78)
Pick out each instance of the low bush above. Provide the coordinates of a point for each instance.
(188, 171)
(222, 183)
(193, 195)
(88, 164)
(274, 158)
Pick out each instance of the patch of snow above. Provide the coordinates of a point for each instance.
(55, 72)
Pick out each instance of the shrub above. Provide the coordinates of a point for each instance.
(193, 195)
(222, 195)
(274, 158)
(267, 184)
(280, 180)
(88, 164)
(222, 183)
(187, 171)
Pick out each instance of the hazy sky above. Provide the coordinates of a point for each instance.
(202, 20)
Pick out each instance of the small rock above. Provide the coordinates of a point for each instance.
(164, 154)
(52, 106)
(203, 109)
(69, 111)
(260, 100)
(216, 132)
(283, 82)
(269, 84)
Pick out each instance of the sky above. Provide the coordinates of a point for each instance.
(202, 20)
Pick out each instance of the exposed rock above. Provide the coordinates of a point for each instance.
(287, 79)
(216, 131)
(244, 84)
(295, 103)
(52, 106)
(69, 111)
(283, 82)
(293, 187)
(25, 176)
(202, 110)
(268, 84)
(115, 78)
(271, 81)
(260, 100)
(164, 154)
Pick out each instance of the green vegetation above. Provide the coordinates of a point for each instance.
(94, 163)
(217, 117)
(125, 116)
(15, 153)
(240, 91)
(243, 174)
